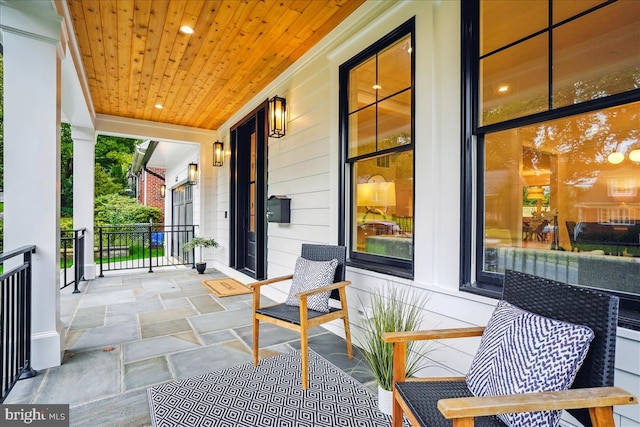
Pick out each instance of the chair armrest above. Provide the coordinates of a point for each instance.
(400, 340)
(432, 334)
(467, 407)
(327, 288)
(270, 281)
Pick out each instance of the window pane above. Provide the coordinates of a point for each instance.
(567, 9)
(503, 22)
(394, 121)
(362, 80)
(559, 205)
(383, 206)
(515, 81)
(597, 54)
(394, 68)
(362, 132)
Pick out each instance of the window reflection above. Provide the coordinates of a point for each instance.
(554, 186)
(383, 198)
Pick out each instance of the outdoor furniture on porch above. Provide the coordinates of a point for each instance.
(526, 325)
(319, 276)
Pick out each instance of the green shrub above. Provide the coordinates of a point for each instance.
(66, 223)
(116, 209)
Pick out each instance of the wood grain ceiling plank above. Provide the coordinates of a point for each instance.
(319, 28)
(252, 54)
(141, 16)
(199, 16)
(172, 42)
(325, 20)
(239, 47)
(157, 17)
(80, 29)
(91, 12)
(207, 69)
(279, 19)
(108, 16)
(175, 76)
(124, 35)
(200, 20)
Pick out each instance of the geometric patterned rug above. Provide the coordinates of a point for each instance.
(269, 394)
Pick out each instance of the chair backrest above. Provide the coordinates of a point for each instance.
(573, 304)
(327, 253)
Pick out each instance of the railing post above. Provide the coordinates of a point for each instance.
(150, 254)
(78, 258)
(100, 251)
(27, 370)
(193, 254)
(64, 258)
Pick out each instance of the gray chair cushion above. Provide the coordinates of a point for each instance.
(309, 275)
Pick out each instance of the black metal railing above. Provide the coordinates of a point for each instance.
(134, 246)
(72, 242)
(15, 319)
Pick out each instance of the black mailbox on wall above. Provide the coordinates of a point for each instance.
(279, 209)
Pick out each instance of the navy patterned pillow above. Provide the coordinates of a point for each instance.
(522, 352)
(309, 275)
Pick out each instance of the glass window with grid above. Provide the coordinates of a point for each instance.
(378, 136)
(558, 142)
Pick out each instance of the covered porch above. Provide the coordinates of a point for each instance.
(133, 329)
(451, 226)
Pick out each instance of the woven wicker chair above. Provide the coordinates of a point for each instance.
(447, 401)
(301, 319)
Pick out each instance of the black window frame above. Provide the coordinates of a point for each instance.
(378, 263)
(476, 280)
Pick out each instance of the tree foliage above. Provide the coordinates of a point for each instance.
(66, 171)
(118, 209)
(113, 156)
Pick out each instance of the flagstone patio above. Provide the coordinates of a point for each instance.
(133, 329)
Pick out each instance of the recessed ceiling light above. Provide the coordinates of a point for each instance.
(186, 29)
(503, 88)
(615, 158)
(377, 87)
(159, 106)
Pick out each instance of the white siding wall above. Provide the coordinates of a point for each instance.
(303, 166)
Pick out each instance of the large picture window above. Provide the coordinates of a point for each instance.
(376, 93)
(557, 138)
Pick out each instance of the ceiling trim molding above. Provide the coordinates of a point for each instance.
(145, 129)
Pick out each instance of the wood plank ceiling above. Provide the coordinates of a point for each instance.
(135, 56)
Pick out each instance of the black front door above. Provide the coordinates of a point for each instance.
(248, 195)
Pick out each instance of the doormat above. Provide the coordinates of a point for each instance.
(226, 287)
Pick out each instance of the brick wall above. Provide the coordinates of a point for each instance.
(149, 186)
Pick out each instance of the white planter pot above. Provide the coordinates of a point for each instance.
(385, 401)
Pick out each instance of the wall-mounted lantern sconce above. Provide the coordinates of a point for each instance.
(218, 153)
(163, 191)
(193, 173)
(277, 117)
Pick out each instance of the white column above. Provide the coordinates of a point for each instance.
(84, 141)
(32, 52)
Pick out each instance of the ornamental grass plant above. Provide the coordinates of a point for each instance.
(392, 310)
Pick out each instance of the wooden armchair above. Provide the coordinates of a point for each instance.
(301, 319)
(448, 401)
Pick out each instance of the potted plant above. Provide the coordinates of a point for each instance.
(392, 310)
(200, 242)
